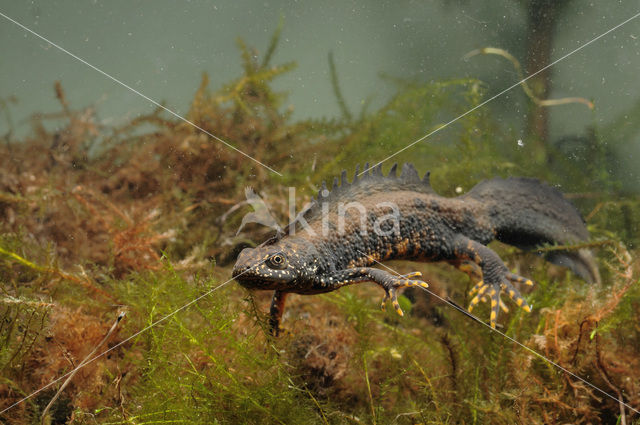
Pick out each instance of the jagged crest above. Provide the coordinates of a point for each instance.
(371, 181)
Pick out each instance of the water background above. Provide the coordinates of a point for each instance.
(161, 48)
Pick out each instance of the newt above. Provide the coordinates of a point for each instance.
(338, 238)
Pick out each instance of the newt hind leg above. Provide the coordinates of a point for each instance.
(492, 277)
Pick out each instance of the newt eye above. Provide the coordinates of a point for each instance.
(277, 261)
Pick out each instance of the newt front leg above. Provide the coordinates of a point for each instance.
(276, 310)
(332, 281)
(389, 282)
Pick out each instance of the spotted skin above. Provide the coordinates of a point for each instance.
(276, 310)
(340, 244)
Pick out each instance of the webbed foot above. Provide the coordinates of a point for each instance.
(393, 283)
(483, 291)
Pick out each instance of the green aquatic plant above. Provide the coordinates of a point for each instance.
(139, 221)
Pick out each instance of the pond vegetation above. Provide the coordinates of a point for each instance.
(96, 221)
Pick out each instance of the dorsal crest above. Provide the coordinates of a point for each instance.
(370, 181)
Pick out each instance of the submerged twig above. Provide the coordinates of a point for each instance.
(599, 363)
(575, 247)
(77, 368)
(516, 64)
(366, 378)
(55, 271)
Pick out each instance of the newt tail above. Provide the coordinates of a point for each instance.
(374, 218)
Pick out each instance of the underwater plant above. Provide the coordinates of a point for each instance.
(129, 219)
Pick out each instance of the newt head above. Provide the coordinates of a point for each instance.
(282, 265)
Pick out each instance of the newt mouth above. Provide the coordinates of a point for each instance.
(256, 282)
(246, 277)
